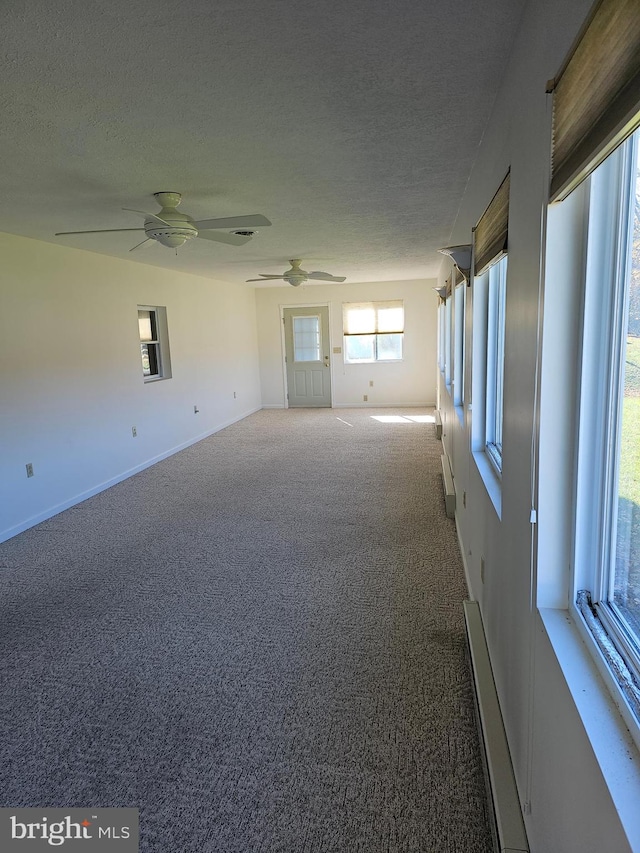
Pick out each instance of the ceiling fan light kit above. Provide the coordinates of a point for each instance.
(172, 229)
(297, 276)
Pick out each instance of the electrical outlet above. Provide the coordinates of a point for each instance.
(134, 432)
(371, 383)
(234, 395)
(365, 398)
(29, 467)
(195, 410)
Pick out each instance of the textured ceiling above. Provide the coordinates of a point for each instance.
(352, 126)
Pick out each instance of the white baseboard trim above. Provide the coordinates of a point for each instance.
(438, 422)
(465, 564)
(15, 530)
(449, 488)
(509, 826)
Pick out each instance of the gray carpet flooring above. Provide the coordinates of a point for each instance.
(258, 642)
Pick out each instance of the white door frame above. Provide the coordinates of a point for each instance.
(326, 305)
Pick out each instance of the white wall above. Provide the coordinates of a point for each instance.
(410, 382)
(571, 801)
(71, 384)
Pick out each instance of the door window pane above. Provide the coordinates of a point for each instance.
(306, 339)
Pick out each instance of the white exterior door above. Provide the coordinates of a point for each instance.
(306, 337)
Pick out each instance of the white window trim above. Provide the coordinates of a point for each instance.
(608, 735)
(489, 471)
(494, 385)
(376, 304)
(448, 319)
(459, 307)
(162, 342)
(589, 682)
(601, 358)
(441, 336)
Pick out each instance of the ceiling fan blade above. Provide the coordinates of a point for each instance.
(99, 231)
(325, 276)
(265, 277)
(148, 215)
(251, 221)
(145, 242)
(222, 237)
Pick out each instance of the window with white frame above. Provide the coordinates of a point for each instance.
(441, 334)
(494, 397)
(373, 331)
(448, 355)
(459, 308)
(595, 139)
(490, 297)
(608, 477)
(154, 342)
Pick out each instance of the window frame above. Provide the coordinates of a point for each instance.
(448, 359)
(376, 306)
(160, 342)
(610, 213)
(459, 310)
(494, 371)
(441, 335)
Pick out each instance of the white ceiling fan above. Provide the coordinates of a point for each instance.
(173, 229)
(297, 276)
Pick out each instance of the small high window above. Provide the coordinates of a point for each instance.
(154, 342)
(373, 331)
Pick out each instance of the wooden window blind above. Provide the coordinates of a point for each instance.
(596, 94)
(491, 232)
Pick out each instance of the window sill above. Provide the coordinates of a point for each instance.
(492, 482)
(375, 361)
(611, 742)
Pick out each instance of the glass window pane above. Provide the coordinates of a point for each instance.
(389, 347)
(626, 581)
(149, 359)
(359, 348)
(306, 339)
(391, 319)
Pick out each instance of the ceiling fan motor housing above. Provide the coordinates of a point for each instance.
(170, 235)
(179, 228)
